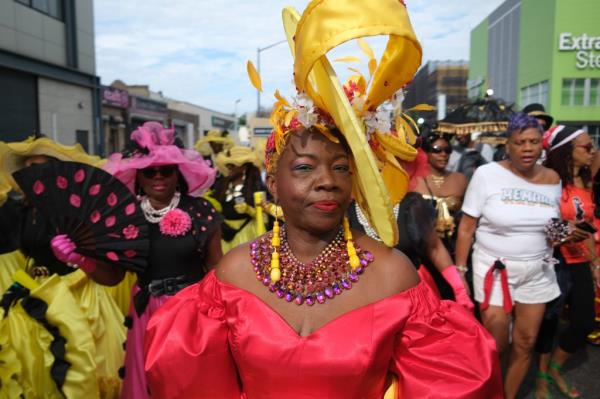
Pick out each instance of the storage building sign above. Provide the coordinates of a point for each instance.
(586, 48)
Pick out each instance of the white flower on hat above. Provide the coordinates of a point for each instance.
(306, 110)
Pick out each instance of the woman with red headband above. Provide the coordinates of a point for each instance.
(570, 154)
(507, 206)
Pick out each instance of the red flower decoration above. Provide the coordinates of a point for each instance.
(38, 187)
(61, 182)
(175, 223)
(112, 256)
(130, 253)
(79, 176)
(130, 232)
(75, 200)
(111, 199)
(130, 209)
(94, 190)
(269, 149)
(95, 217)
(110, 221)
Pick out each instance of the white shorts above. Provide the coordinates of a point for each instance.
(529, 281)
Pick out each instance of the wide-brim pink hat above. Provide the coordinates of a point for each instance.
(159, 143)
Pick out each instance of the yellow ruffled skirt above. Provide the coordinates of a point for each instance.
(9, 264)
(248, 233)
(121, 293)
(91, 324)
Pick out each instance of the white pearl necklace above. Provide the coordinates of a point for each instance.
(155, 215)
(365, 222)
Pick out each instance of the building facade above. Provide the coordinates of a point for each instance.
(115, 105)
(546, 52)
(439, 83)
(47, 72)
(125, 107)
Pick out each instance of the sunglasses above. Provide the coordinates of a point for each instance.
(165, 171)
(438, 150)
(589, 147)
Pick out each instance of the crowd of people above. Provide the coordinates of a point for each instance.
(345, 259)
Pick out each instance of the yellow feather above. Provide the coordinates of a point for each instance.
(254, 76)
(282, 99)
(360, 81)
(356, 71)
(396, 146)
(289, 116)
(412, 122)
(372, 66)
(364, 46)
(422, 107)
(325, 132)
(403, 125)
(348, 59)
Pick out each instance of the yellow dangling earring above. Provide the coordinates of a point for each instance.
(354, 260)
(275, 243)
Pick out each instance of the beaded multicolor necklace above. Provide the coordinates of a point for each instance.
(322, 278)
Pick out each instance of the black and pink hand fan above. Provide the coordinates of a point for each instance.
(92, 207)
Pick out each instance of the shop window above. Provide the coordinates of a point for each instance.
(595, 92)
(581, 92)
(594, 132)
(578, 92)
(53, 8)
(567, 92)
(536, 93)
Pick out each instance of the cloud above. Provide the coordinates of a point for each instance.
(196, 50)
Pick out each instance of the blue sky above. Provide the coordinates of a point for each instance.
(196, 50)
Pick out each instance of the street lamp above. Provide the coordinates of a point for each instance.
(258, 50)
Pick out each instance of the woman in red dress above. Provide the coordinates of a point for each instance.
(313, 308)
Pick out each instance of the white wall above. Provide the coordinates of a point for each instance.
(31, 33)
(28, 32)
(72, 106)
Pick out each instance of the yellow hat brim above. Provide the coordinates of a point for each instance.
(13, 156)
(222, 160)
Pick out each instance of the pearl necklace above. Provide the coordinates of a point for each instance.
(362, 219)
(155, 215)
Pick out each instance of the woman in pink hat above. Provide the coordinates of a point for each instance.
(185, 236)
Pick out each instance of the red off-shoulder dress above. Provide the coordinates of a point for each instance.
(215, 340)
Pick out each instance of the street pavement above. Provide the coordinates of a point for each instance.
(582, 370)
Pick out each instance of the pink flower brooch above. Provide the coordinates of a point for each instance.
(175, 223)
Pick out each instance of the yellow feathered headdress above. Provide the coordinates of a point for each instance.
(376, 135)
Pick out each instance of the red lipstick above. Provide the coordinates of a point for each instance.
(326, 206)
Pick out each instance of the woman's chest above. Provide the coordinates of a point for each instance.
(301, 340)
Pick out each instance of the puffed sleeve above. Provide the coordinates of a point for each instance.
(186, 346)
(443, 352)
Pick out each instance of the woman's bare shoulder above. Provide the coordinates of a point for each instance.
(392, 271)
(549, 176)
(234, 267)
